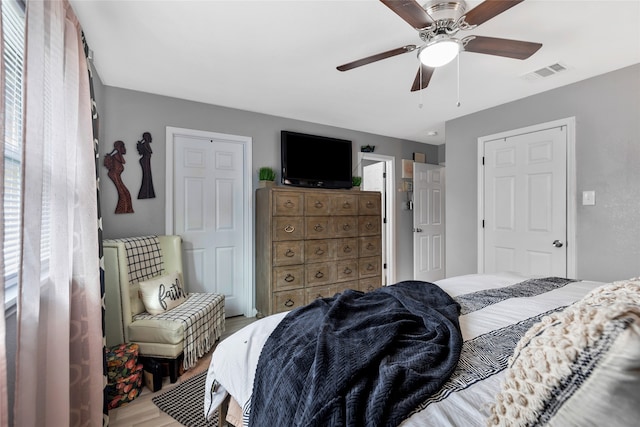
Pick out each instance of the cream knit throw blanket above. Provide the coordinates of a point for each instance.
(545, 355)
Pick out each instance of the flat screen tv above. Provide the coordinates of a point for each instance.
(315, 161)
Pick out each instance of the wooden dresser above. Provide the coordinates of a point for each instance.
(314, 243)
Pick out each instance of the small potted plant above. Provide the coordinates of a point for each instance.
(355, 182)
(266, 176)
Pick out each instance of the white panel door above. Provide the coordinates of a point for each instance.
(373, 179)
(428, 222)
(525, 204)
(209, 215)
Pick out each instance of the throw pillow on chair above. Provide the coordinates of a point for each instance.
(162, 293)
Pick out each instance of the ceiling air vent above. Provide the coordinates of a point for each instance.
(548, 71)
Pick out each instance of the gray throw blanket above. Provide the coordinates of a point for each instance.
(357, 359)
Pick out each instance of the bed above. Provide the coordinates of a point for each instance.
(534, 351)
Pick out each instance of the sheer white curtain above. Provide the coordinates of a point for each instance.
(59, 357)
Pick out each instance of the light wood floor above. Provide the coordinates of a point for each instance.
(143, 413)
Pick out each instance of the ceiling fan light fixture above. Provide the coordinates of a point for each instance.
(439, 52)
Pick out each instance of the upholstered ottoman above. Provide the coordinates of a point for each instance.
(124, 374)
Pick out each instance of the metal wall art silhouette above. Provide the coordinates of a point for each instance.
(144, 149)
(114, 162)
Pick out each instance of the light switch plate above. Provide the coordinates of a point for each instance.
(588, 198)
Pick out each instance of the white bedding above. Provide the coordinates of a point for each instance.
(234, 361)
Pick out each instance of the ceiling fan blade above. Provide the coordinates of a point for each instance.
(500, 47)
(378, 57)
(411, 12)
(427, 72)
(488, 9)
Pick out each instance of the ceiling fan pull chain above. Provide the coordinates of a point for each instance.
(420, 92)
(458, 103)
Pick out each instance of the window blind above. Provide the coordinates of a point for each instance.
(13, 21)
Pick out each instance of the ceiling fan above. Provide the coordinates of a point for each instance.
(438, 22)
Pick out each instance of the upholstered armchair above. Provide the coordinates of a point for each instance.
(186, 329)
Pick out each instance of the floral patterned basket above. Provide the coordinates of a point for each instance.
(124, 374)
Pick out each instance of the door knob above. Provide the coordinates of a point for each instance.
(417, 230)
(557, 243)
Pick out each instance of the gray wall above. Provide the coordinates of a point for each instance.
(441, 153)
(127, 114)
(607, 112)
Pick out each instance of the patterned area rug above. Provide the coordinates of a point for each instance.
(185, 402)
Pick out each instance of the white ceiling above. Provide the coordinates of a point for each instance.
(280, 57)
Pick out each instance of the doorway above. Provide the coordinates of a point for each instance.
(208, 203)
(526, 200)
(378, 174)
(428, 222)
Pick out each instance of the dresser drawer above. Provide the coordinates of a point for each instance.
(288, 252)
(343, 286)
(369, 204)
(368, 267)
(369, 225)
(288, 277)
(288, 204)
(320, 273)
(319, 250)
(346, 204)
(345, 226)
(369, 246)
(287, 300)
(346, 248)
(316, 292)
(288, 228)
(318, 227)
(371, 284)
(317, 204)
(347, 270)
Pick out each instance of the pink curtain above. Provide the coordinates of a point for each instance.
(59, 357)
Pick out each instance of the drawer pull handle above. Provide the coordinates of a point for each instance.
(346, 227)
(289, 253)
(371, 246)
(346, 249)
(319, 251)
(289, 228)
(319, 296)
(347, 270)
(370, 288)
(289, 278)
(370, 204)
(289, 302)
(319, 275)
(289, 204)
(370, 267)
(346, 205)
(369, 226)
(319, 204)
(318, 228)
